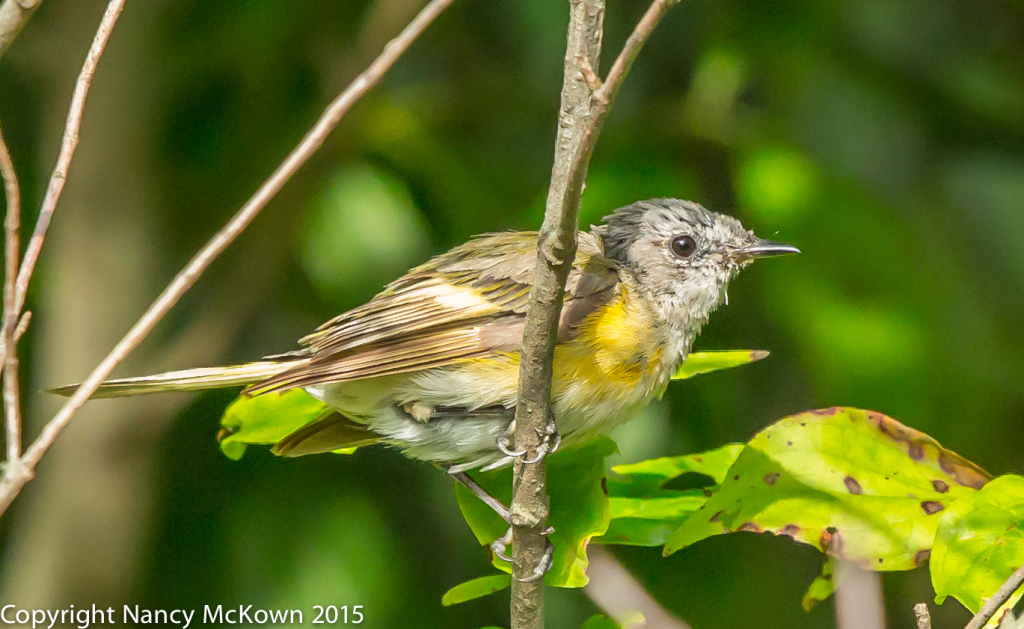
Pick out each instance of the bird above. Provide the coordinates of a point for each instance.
(430, 365)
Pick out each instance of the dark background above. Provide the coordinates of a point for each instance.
(885, 138)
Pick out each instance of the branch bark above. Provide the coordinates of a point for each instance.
(14, 14)
(922, 616)
(12, 250)
(998, 599)
(585, 102)
(14, 479)
(556, 250)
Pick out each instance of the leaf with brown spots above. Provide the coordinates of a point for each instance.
(980, 543)
(855, 484)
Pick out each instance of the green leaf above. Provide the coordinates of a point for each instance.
(600, 621)
(645, 514)
(980, 543)
(714, 463)
(476, 588)
(855, 484)
(630, 620)
(822, 587)
(266, 419)
(649, 521)
(578, 507)
(705, 362)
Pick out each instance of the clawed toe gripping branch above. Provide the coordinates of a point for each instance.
(550, 441)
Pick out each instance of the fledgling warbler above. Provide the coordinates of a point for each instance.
(430, 365)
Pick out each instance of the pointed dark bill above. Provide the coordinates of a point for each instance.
(765, 248)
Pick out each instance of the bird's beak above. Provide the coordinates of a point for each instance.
(765, 248)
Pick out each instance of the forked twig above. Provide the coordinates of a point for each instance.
(14, 480)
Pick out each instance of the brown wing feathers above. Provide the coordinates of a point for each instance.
(463, 304)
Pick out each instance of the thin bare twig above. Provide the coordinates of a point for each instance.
(14, 14)
(858, 600)
(581, 116)
(11, 484)
(923, 616)
(68, 144)
(998, 599)
(12, 250)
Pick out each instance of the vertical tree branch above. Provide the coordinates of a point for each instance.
(556, 250)
(12, 251)
(14, 480)
(14, 14)
(585, 102)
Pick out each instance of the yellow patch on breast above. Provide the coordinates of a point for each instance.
(616, 346)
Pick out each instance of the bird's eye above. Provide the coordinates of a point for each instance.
(683, 246)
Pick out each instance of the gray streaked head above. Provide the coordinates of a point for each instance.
(681, 255)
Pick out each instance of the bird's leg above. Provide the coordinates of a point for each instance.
(500, 546)
(467, 481)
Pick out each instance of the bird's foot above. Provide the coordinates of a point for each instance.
(500, 549)
(550, 441)
(543, 565)
(504, 442)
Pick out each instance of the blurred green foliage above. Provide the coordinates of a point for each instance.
(883, 137)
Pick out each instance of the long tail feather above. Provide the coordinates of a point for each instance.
(186, 380)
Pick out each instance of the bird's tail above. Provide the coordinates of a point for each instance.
(186, 380)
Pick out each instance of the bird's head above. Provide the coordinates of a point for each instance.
(682, 256)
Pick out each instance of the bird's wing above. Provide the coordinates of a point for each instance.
(462, 304)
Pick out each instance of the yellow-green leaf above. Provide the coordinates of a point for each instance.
(980, 543)
(855, 484)
(600, 621)
(714, 463)
(266, 419)
(822, 587)
(476, 588)
(699, 363)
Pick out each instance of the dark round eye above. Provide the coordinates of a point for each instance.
(683, 246)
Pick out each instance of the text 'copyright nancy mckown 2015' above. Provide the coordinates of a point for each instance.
(85, 617)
